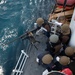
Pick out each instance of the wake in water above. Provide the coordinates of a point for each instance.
(16, 17)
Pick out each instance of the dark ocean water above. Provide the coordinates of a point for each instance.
(16, 17)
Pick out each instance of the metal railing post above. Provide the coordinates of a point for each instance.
(20, 64)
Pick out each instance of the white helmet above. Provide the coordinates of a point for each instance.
(54, 38)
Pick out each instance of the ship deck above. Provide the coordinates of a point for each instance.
(32, 68)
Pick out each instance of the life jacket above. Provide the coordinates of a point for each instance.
(65, 38)
(68, 4)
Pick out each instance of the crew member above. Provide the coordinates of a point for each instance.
(54, 44)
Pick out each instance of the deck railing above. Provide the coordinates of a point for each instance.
(20, 64)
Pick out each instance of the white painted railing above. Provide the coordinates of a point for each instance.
(20, 64)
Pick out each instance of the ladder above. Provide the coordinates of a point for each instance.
(20, 64)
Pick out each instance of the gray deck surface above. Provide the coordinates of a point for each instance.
(31, 67)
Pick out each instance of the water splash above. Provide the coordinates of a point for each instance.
(8, 34)
(2, 2)
(1, 70)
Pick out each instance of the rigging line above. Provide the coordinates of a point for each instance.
(54, 8)
(33, 43)
(64, 9)
(52, 11)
